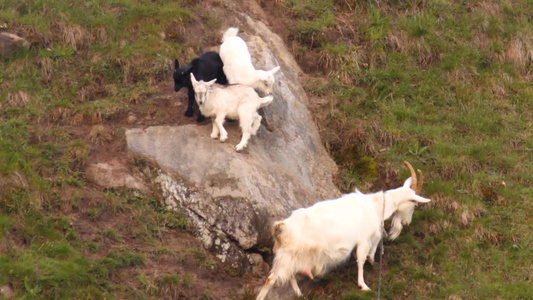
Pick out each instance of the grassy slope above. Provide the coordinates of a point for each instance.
(91, 62)
(448, 86)
(443, 84)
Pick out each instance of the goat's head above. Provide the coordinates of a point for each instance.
(200, 89)
(406, 198)
(263, 86)
(181, 75)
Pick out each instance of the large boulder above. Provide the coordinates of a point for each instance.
(232, 198)
(9, 43)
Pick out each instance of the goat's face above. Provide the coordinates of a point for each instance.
(406, 200)
(181, 75)
(263, 86)
(410, 190)
(201, 89)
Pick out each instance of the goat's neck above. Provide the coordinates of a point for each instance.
(390, 207)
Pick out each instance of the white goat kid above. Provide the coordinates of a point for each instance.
(315, 239)
(232, 101)
(238, 65)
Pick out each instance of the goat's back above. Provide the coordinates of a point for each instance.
(209, 66)
(237, 61)
(230, 99)
(336, 223)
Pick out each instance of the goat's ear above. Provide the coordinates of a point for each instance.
(273, 71)
(176, 64)
(193, 80)
(408, 182)
(421, 199)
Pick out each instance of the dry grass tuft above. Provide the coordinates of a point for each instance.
(401, 42)
(445, 204)
(487, 235)
(47, 68)
(18, 99)
(101, 33)
(464, 75)
(74, 36)
(488, 8)
(88, 93)
(519, 53)
(466, 218)
(398, 41)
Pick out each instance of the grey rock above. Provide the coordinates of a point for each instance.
(6, 291)
(232, 198)
(9, 43)
(113, 174)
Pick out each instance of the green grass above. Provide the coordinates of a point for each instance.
(442, 84)
(445, 91)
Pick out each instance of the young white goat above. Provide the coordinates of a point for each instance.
(315, 239)
(233, 101)
(238, 65)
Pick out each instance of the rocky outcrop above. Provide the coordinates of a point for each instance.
(113, 174)
(9, 43)
(231, 198)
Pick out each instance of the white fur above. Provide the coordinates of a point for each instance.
(315, 239)
(232, 101)
(238, 65)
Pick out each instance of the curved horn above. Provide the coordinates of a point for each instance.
(413, 175)
(420, 181)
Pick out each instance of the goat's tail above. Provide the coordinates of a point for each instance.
(232, 31)
(266, 100)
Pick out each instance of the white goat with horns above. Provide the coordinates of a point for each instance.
(315, 239)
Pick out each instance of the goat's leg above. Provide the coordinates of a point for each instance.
(256, 123)
(375, 242)
(245, 121)
(268, 285)
(215, 131)
(200, 117)
(295, 287)
(362, 252)
(189, 112)
(219, 121)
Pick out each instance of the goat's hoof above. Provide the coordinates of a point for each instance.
(189, 113)
(200, 119)
(239, 148)
(223, 139)
(365, 288)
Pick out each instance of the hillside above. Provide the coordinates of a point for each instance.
(446, 85)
